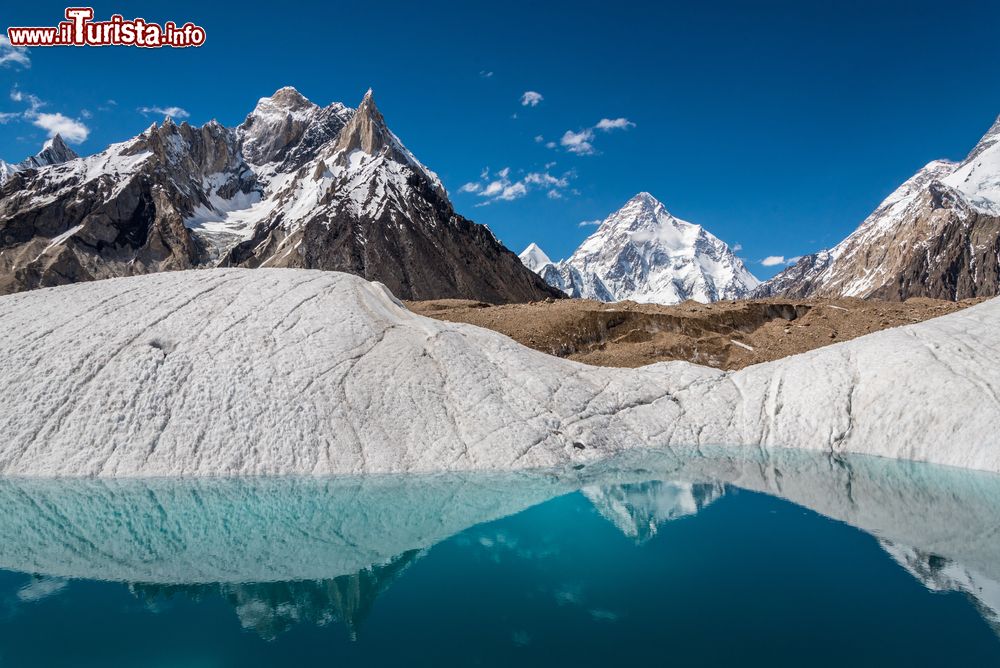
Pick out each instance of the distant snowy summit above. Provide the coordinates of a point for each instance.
(644, 254)
(54, 152)
(937, 235)
(294, 185)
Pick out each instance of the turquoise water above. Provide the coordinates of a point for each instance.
(781, 560)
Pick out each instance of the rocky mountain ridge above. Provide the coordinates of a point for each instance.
(937, 235)
(294, 185)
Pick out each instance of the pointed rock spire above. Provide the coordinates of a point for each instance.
(54, 151)
(367, 130)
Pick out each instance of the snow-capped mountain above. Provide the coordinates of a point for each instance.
(54, 151)
(937, 235)
(534, 258)
(294, 185)
(643, 253)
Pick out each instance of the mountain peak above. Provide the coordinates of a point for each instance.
(367, 130)
(54, 151)
(369, 108)
(276, 123)
(55, 142)
(645, 198)
(289, 98)
(284, 102)
(643, 253)
(642, 205)
(978, 176)
(533, 257)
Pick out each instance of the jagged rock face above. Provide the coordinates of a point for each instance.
(286, 130)
(295, 185)
(277, 123)
(644, 254)
(364, 204)
(120, 212)
(53, 152)
(937, 235)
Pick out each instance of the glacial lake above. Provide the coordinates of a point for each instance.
(771, 558)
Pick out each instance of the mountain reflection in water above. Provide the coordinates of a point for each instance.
(286, 553)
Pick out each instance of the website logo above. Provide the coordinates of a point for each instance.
(80, 29)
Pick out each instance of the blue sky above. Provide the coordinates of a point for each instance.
(776, 125)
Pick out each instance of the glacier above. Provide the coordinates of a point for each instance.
(228, 372)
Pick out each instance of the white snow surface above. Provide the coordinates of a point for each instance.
(255, 372)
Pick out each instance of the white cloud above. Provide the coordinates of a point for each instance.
(773, 260)
(13, 55)
(486, 74)
(173, 112)
(34, 104)
(578, 142)
(545, 179)
(501, 187)
(513, 191)
(550, 144)
(71, 130)
(737, 247)
(86, 113)
(530, 98)
(539, 139)
(589, 223)
(493, 188)
(582, 142)
(609, 124)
